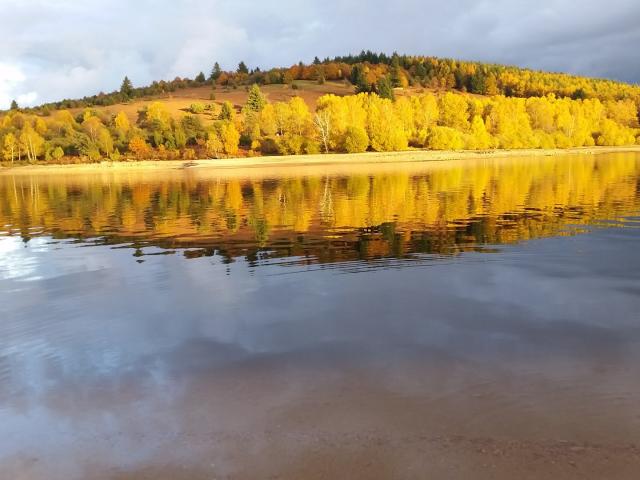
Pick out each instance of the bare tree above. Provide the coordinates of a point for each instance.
(322, 121)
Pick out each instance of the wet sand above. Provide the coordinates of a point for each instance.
(306, 160)
(327, 415)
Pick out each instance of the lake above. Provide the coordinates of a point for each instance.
(470, 319)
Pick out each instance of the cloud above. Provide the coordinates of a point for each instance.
(61, 48)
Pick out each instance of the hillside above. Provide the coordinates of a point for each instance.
(348, 104)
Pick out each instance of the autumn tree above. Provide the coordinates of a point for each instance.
(478, 137)
(322, 122)
(454, 111)
(355, 139)
(31, 142)
(10, 150)
(228, 137)
(384, 127)
(445, 138)
(139, 147)
(214, 144)
(122, 125)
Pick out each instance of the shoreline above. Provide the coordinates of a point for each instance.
(407, 156)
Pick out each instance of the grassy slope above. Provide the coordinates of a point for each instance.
(179, 101)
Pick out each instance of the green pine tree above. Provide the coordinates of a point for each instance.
(384, 89)
(242, 68)
(359, 80)
(216, 71)
(395, 72)
(126, 88)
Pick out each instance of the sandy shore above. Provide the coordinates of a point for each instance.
(303, 160)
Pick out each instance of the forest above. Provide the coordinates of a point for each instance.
(395, 103)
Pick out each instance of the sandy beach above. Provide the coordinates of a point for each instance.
(304, 160)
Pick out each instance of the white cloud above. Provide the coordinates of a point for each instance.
(10, 79)
(61, 48)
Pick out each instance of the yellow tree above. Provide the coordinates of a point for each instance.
(10, 147)
(384, 128)
(425, 115)
(355, 139)
(479, 138)
(157, 112)
(230, 137)
(122, 124)
(445, 138)
(31, 142)
(454, 111)
(267, 120)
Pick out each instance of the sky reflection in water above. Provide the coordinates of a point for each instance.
(132, 301)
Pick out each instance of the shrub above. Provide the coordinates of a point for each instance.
(268, 146)
(57, 153)
(115, 155)
(196, 108)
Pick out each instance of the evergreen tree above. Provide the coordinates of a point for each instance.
(200, 78)
(478, 83)
(216, 71)
(14, 105)
(396, 81)
(126, 88)
(242, 68)
(227, 112)
(384, 88)
(359, 80)
(316, 61)
(255, 100)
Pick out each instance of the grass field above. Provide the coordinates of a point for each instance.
(178, 102)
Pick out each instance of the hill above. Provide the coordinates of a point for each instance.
(346, 104)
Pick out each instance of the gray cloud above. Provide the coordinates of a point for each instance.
(65, 48)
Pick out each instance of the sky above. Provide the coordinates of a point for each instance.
(54, 49)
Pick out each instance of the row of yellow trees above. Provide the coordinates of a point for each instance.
(451, 121)
(353, 124)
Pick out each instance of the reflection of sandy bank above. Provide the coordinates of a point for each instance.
(238, 166)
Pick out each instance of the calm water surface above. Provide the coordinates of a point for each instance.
(464, 319)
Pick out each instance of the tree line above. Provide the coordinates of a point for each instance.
(370, 71)
(350, 124)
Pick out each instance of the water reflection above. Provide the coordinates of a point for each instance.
(327, 216)
(178, 366)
